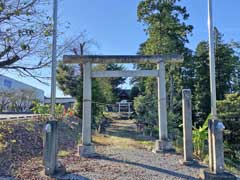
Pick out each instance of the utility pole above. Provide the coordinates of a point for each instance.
(212, 61)
(171, 92)
(54, 59)
(212, 145)
(215, 126)
(50, 140)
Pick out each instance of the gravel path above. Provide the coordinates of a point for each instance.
(128, 163)
(120, 156)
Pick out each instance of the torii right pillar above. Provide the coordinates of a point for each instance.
(163, 144)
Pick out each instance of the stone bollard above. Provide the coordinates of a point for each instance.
(216, 154)
(50, 148)
(187, 127)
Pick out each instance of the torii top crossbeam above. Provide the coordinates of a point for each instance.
(108, 59)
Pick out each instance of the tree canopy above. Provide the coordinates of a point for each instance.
(227, 67)
(167, 31)
(25, 31)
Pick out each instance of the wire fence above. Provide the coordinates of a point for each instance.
(11, 118)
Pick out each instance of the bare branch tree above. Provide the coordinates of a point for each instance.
(24, 33)
(81, 45)
(5, 99)
(22, 100)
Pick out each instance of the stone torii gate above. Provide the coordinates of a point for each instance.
(163, 144)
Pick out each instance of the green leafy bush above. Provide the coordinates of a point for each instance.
(39, 108)
(44, 109)
(59, 110)
(229, 113)
(200, 135)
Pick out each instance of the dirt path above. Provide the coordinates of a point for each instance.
(122, 128)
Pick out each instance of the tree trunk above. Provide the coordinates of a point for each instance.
(171, 93)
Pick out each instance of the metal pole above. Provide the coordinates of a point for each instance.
(51, 132)
(212, 61)
(54, 59)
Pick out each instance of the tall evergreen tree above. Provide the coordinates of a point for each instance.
(226, 68)
(164, 24)
(114, 82)
(226, 65)
(167, 32)
(201, 94)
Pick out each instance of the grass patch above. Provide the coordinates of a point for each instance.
(111, 115)
(63, 153)
(232, 166)
(233, 169)
(2, 147)
(30, 126)
(120, 142)
(147, 144)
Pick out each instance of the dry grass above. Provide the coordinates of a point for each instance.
(63, 153)
(120, 142)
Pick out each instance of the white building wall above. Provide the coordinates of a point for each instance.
(9, 84)
(12, 85)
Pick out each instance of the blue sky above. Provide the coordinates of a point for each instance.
(113, 24)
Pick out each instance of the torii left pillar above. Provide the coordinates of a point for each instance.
(86, 149)
(162, 144)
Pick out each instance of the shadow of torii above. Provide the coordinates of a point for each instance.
(72, 177)
(157, 169)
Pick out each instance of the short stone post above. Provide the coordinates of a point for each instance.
(218, 149)
(129, 109)
(216, 153)
(86, 149)
(187, 126)
(210, 148)
(50, 148)
(119, 108)
(163, 144)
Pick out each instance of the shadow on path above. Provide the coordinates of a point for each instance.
(72, 177)
(158, 169)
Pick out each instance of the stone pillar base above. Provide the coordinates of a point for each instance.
(86, 150)
(207, 175)
(188, 163)
(59, 171)
(163, 146)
